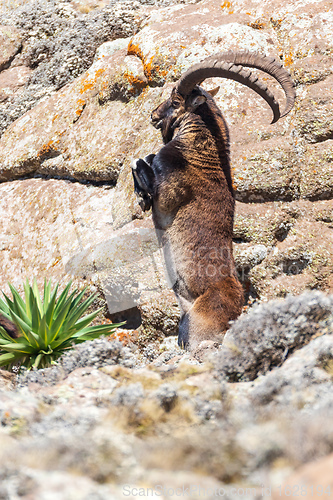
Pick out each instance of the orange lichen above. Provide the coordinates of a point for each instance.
(288, 59)
(135, 83)
(46, 148)
(89, 83)
(81, 105)
(54, 118)
(134, 50)
(227, 6)
(57, 260)
(150, 68)
(124, 336)
(257, 25)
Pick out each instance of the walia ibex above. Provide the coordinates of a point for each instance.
(188, 184)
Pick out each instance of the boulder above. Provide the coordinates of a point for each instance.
(11, 80)
(267, 171)
(269, 333)
(10, 43)
(58, 42)
(52, 139)
(58, 230)
(303, 379)
(313, 480)
(299, 262)
(314, 117)
(175, 38)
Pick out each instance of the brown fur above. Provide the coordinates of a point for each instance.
(193, 209)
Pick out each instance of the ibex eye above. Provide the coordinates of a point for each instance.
(175, 104)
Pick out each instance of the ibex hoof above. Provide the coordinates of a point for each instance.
(143, 177)
(183, 332)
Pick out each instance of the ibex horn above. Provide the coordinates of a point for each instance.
(230, 65)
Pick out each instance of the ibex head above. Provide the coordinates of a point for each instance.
(168, 115)
(186, 96)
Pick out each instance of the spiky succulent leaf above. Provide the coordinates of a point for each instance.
(44, 332)
(57, 326)
(4, 309)
(62, 298)
(37, 297)
(47, 295)
(28, 299)
(79, 297)
(35, 314)
(10, 303)
(75, 322)
(86, 320)
(24, 327)
(8, 358)
(18, 301)
(49, 313)
(17, 347)
(49, 327)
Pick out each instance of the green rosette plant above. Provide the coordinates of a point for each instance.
(47, 327)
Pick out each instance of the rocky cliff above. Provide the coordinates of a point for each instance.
(78, 81)
(69, 156)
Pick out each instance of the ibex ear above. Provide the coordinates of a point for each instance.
(196, 101)
(213, 92)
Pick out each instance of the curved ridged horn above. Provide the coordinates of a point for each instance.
(230, 65)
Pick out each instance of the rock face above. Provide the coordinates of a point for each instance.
(10, 45)
(71, 225)
(57, 42)
(91, 76)
(78, 81)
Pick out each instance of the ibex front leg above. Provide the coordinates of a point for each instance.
(144, 178)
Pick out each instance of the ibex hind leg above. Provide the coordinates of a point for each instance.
(143, 177)
(183, 331)
(211, 313)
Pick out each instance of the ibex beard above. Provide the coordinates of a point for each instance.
(188, 185)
